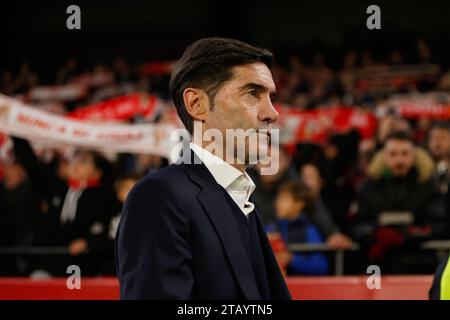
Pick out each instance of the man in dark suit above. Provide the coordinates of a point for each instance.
(191, 230)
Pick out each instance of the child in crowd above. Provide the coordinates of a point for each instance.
(293, 203)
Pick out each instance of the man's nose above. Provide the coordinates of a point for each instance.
(268, 113)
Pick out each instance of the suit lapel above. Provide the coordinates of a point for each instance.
(216, 206)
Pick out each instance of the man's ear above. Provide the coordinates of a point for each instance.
(196, 102)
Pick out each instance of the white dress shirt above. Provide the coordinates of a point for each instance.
(238, 184)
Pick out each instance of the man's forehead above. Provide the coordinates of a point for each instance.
(256, 72)
(399, 144)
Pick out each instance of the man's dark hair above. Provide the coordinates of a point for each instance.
(206, 64)
(399, 135)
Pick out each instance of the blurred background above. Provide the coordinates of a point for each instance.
(364, 118)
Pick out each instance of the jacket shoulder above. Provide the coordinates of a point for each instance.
(173, 171)
(169, 183)
(172, 176)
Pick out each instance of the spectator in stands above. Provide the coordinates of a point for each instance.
(83, 211)
(267, 186)
(103, 243)
(20, 206)
(19, 211)
(366, 150)
(340, 154)
(439, 148)
(294, 203)
(399, 207)
(20, 201)
(311, 177)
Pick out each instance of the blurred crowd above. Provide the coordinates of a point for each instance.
(388, 194)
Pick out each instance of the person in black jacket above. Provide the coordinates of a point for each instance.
(19, 213)
(103, 243)
(399, 207)
(439, 148)
(19, 208)
(191, 230)
(78, 212)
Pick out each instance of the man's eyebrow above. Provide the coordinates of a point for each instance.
(257, 86)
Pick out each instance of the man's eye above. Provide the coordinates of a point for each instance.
(253, 93)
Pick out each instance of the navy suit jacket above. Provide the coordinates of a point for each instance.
(178, 239)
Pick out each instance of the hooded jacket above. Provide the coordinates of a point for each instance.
(405, 203)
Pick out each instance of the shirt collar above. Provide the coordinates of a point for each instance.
(224, 173)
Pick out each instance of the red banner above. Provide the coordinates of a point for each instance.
(433, 110)
(434, 105)
(120, 108)
(316, 125)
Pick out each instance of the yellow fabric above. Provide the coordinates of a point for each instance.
(445, 282)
